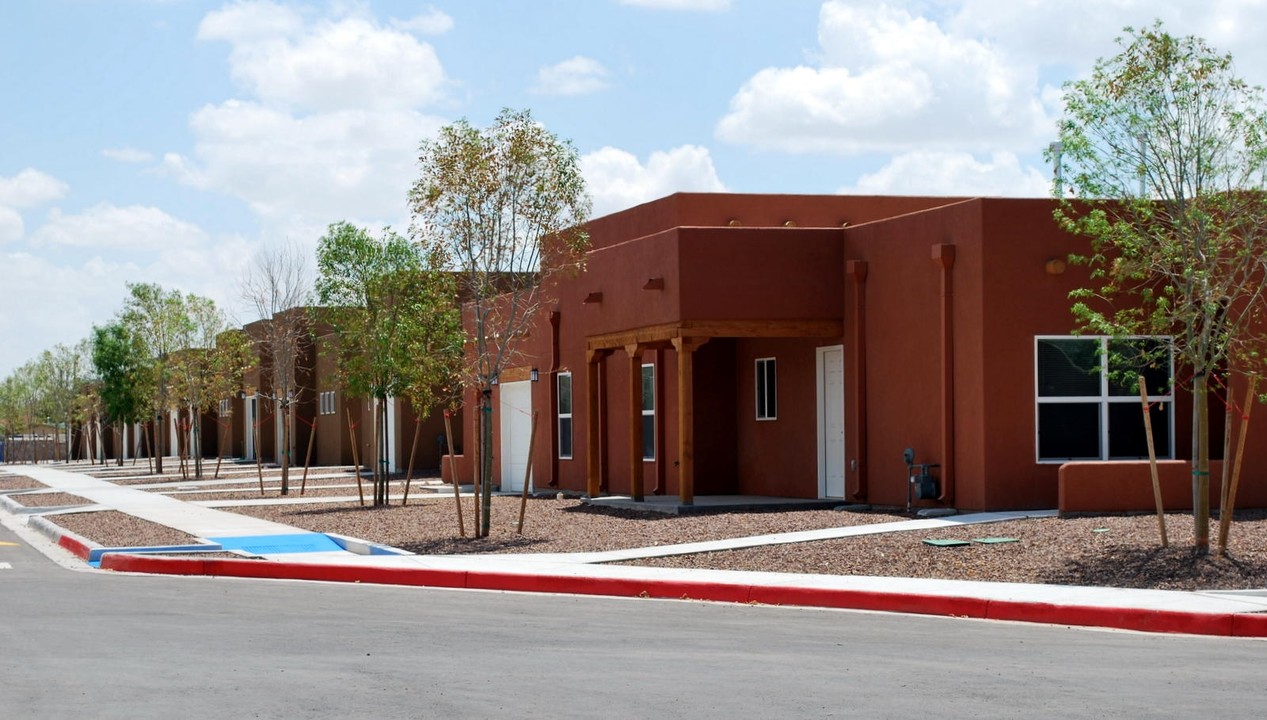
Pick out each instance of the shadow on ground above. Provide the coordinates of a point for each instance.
(1171, 568)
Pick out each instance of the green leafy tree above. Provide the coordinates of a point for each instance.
(159, 319)
(394, 313)
(68, 368)
(1163, 156)
(508, 205)
(120, 360)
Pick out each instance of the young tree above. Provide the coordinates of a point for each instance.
(1164, 150)
(67, 369)
(395, 315)
(159, 319)
(277, 286)
(118, 355)
(508, 204)
(207, 367)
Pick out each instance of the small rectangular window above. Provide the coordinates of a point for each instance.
(648, 412)
(767, 390)
(564, 381)
(325, 401)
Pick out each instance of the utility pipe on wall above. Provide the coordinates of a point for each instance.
(944, 256)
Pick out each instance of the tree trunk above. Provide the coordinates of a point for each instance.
(195, 425)
(1201, 464)
(286, 434)
(158, 444)
(486, 460)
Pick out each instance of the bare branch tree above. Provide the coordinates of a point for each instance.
(278, 287)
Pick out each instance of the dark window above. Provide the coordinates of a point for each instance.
(767, 390)
(648, 412)
(565, 415)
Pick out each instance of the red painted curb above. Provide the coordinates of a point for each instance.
(74, 545)
(1155, 621)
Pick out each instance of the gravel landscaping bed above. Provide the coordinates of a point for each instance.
(53, 499)
(1105, 550)
(111, 528)
(550, 525)
(19, 482)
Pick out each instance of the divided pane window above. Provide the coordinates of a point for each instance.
(767, 390)
(564, 381)
(1087, 393)
(648, 412)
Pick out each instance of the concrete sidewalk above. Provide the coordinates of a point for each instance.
(1207, 613)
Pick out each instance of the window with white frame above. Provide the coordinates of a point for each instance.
(325, 402)
(767, 390)
(226, 407)
(1088, 402)
(648, 412)
(564, 386)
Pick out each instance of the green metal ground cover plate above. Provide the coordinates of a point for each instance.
(994, 540)
(945, 543)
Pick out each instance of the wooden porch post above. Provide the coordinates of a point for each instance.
(686, 348)
(635, 422)
(593, 428)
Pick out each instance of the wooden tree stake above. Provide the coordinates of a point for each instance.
(312, 436)
(356, 458)
(259, 467)
(1225, 514)
(409, 473)
(453, 472)
(1152, 462)
(523, 497)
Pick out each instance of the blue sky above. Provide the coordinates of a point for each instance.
(169, 141)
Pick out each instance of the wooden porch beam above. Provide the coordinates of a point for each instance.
(686, 348)
(634, 352)
(664, 334)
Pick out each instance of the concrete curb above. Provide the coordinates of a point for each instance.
(1122, 618)
(78, 545)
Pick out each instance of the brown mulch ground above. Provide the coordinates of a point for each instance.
(53, 499)
(19, 482)
(111, 528)
(1103, 550)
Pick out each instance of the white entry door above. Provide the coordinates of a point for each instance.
(515, 410)
(831, 422)
(249, 406)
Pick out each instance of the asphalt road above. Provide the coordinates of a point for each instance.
(98, 645)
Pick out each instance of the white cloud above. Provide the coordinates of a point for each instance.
(326, 65)
(954, 173)
(127, 155)
(432, 22)
(328, 167)
(618, 180)
(11, 225)
(30, 188)
(705, 5)
(106, 226)
(329, 121)
(249, 21)
(1075, 32)
(91, 290)
(888, 80)
(576, 76)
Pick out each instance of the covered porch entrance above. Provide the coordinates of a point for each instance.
(685, 339)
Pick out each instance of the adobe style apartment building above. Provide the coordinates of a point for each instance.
(796, 346)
